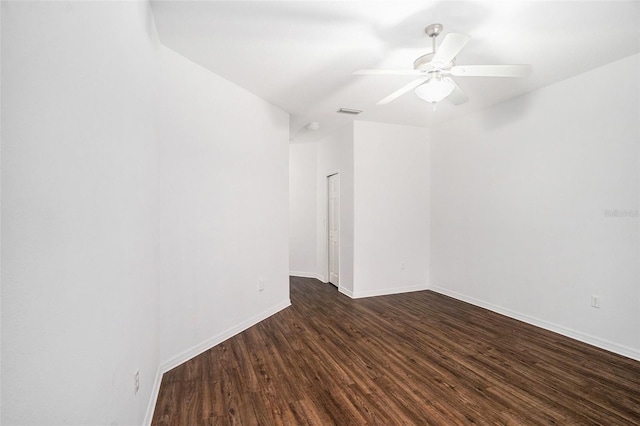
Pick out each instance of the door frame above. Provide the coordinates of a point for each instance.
(328, 229)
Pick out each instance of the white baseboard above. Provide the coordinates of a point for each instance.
(204, 346)
(346, 291)
(307, 275)
(577, 335)
(386, 291)
(153, 399)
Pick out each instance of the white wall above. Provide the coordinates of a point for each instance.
(520, 195)
(303, 160)
(79, 208)
(391, 208)
(223, 209)
(143, 198)
(384, 212)
(335, 155)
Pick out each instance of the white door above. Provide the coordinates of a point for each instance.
(333, 185)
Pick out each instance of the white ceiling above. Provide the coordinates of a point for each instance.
(300, 55)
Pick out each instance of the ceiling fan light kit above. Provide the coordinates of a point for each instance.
(434, 69)
(435, 89)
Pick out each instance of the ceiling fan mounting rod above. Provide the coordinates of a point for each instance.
(433, 31)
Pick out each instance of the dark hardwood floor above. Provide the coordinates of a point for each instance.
(415, 358)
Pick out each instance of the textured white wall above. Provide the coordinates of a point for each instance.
(303, 160)
(79, 209)
(224, 209)
(391, 208)
(523, 207)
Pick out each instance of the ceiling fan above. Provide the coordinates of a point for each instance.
(436, 68)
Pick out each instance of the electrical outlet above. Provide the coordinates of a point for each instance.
(260, 284)
(136, 382)
(595, 301)
(402, 266)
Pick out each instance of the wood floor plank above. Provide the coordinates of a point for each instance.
(414, 358)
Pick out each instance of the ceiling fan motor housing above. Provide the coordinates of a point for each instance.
(423, 63)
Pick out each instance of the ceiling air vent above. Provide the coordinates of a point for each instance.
(349, 111)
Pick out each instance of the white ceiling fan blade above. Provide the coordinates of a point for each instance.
(388, 72)
(491, 70)
(450, 47)
(401, 91)
(457, 96)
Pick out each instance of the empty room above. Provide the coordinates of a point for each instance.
(320, 212)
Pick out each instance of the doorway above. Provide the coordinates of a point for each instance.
(333, 214)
